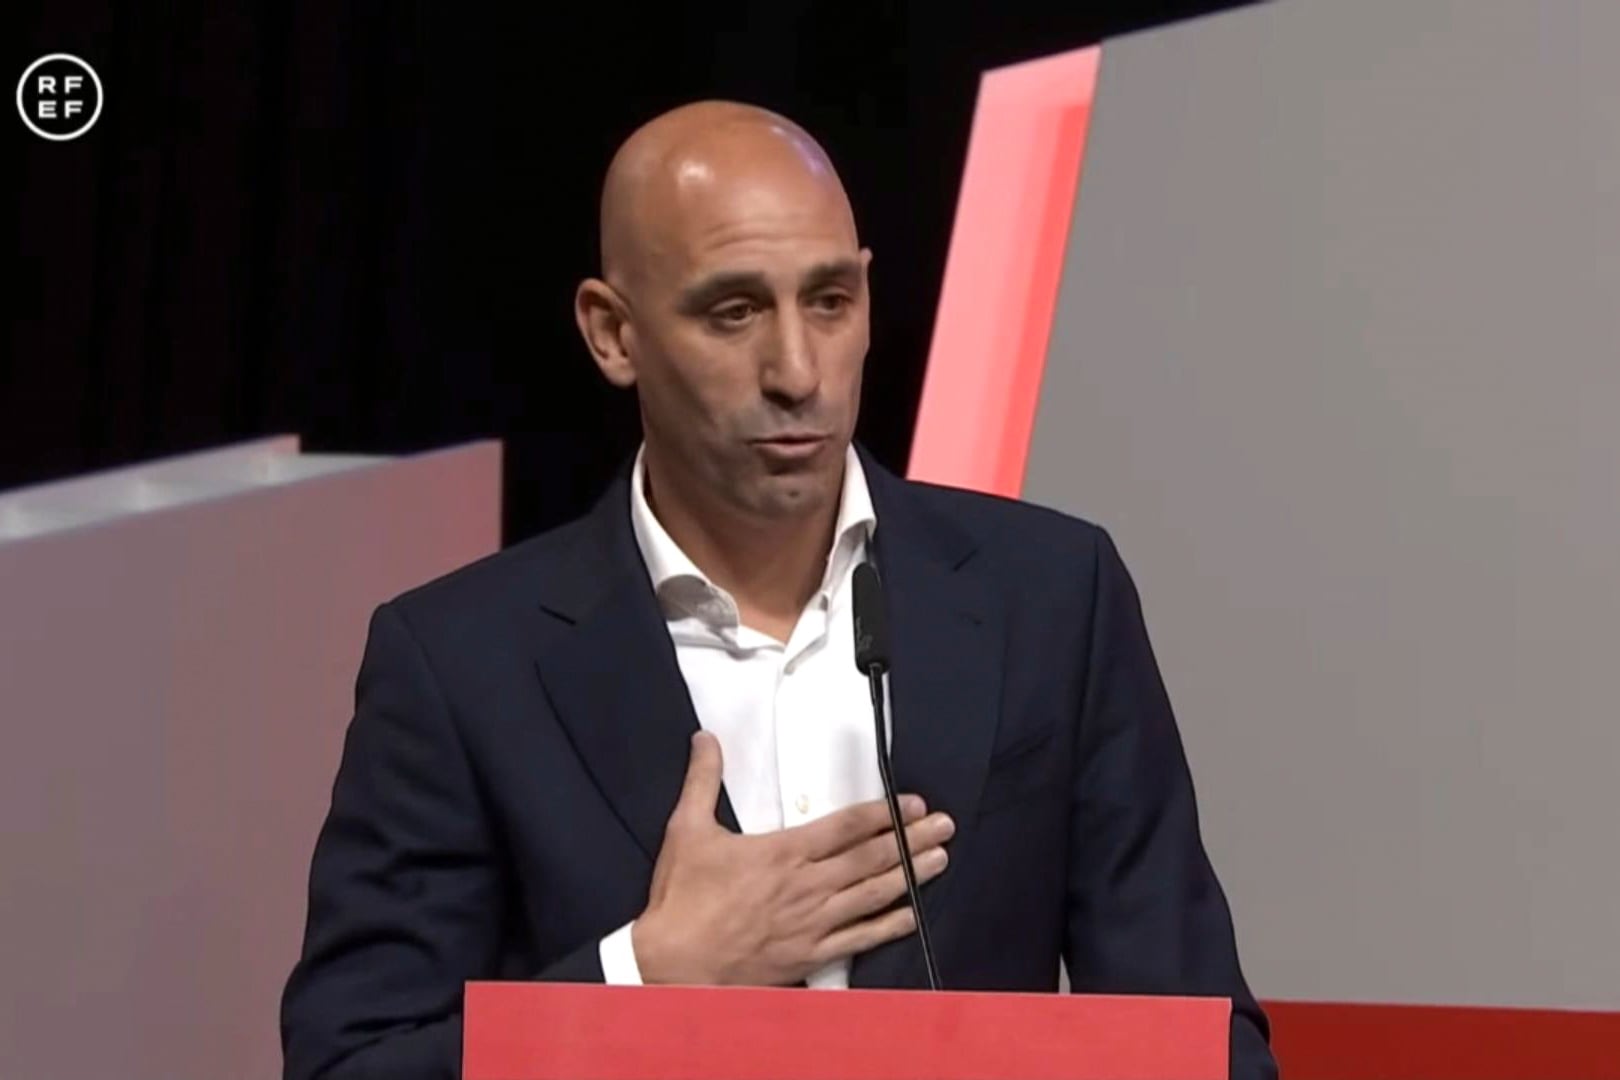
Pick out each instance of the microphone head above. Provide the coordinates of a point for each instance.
(871, 621)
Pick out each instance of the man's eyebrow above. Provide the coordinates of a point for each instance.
(700, 296)
(844, 271)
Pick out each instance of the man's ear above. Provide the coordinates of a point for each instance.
(603, 322)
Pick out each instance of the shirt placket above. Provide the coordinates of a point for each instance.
(801, 760)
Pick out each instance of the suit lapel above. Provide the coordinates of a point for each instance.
(611, 674)
(944, 686)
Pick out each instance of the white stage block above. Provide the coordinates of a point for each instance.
(178, 648)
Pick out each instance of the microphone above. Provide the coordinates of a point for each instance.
(872, 658)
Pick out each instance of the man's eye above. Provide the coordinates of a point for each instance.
(738, 312)
(831, 303)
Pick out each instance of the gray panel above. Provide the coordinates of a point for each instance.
(175, 683)
(1338, 362)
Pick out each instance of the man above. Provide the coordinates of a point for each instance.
(637, 748)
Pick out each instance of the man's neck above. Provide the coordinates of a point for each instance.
(771, 568)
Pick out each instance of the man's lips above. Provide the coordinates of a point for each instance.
(795, 447)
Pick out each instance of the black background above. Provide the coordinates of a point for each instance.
(363, 222)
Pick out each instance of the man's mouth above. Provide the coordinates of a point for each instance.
(795, 445)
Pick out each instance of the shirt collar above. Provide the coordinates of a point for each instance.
(667, 563)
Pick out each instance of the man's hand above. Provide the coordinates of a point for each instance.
(768, 910)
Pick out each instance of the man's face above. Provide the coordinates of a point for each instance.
(748, 335)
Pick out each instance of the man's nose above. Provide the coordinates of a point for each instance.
(791, 370)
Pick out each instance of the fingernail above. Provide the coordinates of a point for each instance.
(935, 859)
(912, 804)
(945, 825)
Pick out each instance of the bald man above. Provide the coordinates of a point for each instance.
(637, 749)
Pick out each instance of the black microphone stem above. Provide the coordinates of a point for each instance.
(874, 677)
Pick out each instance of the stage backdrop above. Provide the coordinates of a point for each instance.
(365, 222)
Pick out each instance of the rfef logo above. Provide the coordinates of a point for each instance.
(59, 97)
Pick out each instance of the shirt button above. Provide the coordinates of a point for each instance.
(802, 804)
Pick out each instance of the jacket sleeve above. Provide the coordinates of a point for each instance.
(1146, 914)
(407, 887)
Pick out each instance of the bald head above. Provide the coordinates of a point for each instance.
(693, 169)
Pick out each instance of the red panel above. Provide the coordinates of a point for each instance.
(1410, 1042)
(556, 1031)
(1002, 274)
(1045, 275)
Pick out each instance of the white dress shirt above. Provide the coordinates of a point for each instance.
(794, 721)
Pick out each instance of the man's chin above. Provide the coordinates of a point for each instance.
(796, 494)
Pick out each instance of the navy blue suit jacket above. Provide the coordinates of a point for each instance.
(521, 732)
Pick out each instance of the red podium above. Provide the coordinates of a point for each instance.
(562, 1031)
